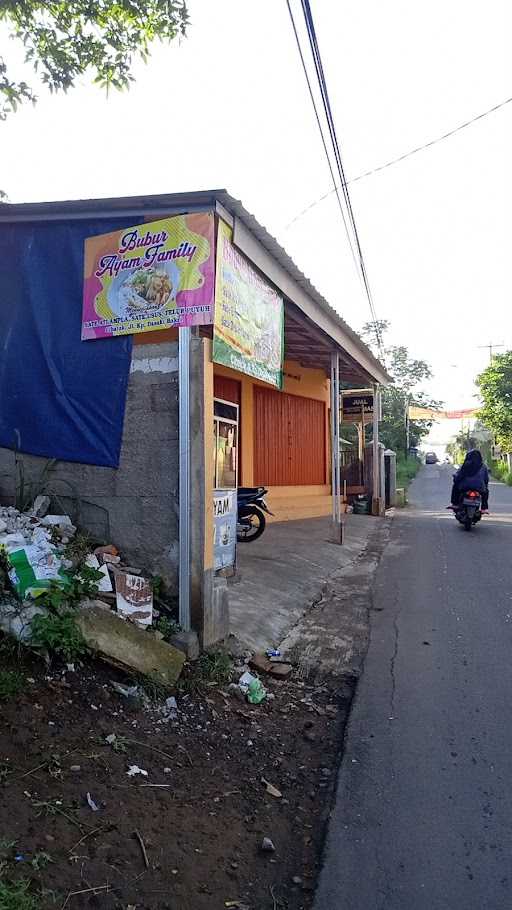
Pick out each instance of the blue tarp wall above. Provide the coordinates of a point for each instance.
(60, 397)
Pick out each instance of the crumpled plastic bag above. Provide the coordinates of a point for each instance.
(256, 692)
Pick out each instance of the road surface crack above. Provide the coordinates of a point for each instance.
(392, 669)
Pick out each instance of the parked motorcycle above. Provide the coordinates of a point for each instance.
(469, 510)
(251, 513)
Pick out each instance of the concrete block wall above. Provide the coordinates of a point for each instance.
(141, 496)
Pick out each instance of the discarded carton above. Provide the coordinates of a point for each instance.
(104, 584)
(134, 598)
(124, 645)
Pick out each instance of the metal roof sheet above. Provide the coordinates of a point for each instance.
(197, 200)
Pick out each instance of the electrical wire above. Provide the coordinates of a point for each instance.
(414, 151)
(322, 82)
(335, 189)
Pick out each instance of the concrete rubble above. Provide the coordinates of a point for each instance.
(35, 558)
(129, 648)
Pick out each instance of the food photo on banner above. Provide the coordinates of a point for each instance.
(249, 316)
(152, 276)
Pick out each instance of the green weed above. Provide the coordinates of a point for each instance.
(213, 668)
(40, 860)
(168, 627)
(499, 470)
(85, 583)
(11, 683)
(406, 470)
(59, 634)
(17, 896)
(6, 844)
(79, 548)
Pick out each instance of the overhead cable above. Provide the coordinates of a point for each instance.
(414, 151)
(322, 83)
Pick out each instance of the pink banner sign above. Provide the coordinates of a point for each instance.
(152, 276)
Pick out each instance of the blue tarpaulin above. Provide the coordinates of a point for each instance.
(60, 397)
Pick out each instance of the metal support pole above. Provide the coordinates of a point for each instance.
(376, 466)
(184, 481)
(334, 415)
(335, 443)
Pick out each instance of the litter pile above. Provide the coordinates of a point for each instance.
(47, 572)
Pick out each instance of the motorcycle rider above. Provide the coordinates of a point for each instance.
(472, 475)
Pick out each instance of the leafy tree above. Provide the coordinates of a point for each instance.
(495, 384)
(408, 374)
(65, 38)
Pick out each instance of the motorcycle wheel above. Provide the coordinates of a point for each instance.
(468, 524)
(258, 522)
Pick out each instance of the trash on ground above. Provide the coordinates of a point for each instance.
(133, 770)
(110, 739)
(245, 681)
(134, 598)
(109, 549)
(272, 652)
(271, 790)
(35, 562)
(256, 692)
(126, 691)
(91, 803)
(104, 584)
(16, 618)
(267, 846)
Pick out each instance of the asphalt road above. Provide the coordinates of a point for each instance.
(423, 815)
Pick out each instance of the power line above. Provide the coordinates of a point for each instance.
(324, 94)
(335, 189)
(414, 151)
(490, 347)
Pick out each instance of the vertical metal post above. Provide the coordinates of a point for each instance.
(337, 437)
(334, 414)
(376, 466)
(335, 442)
(184, 480)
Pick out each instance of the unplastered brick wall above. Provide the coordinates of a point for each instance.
(140, 498)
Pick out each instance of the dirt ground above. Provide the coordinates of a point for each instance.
(186, 836)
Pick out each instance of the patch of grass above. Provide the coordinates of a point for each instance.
(84, 583)
(59, 634)
(11, 683)
(17, 896)
(6, 844)
(79, 548)
(212, 669)
(499, 470)
(9, 647)
(406, 470)
(40, 860)
(168, 627)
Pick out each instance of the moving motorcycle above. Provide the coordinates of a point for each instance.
(469, 509)
(251, 508)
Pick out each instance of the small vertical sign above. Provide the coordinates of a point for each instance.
(224, 525)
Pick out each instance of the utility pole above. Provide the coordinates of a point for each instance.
(490, 347)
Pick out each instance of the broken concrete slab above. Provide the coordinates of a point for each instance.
(278, 669)
(16, 618)
(124, 645)
(187, 642)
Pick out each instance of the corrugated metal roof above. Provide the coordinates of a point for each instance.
(178, 202)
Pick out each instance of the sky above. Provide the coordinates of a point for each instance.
(228, 107)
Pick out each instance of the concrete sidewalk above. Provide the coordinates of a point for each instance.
(284, 573)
